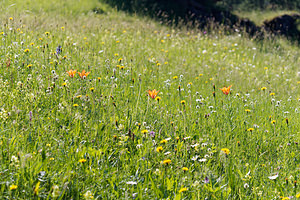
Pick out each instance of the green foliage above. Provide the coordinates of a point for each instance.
(97, 136)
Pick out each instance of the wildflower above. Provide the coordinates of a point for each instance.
(183, 190)
(75, 105)
(71, 73)
(26, 50)
(62, 28)
(164, 141)
(177, 138)
(29, 66)
(175, 77)
(185, 169)
(83, 74)
(47, 33)
(226, 90)
(159, 149)
(248, 110)
(13, 187)
(273, 121)
(55, 192)
(157, 99)
(64, 84)
(263, 88)
(88, 195)
(272, 94)
(153, 93)
(58, 50)
(250, 129)
(51, 158)
(298, 195)
(145, 131)
(225, 150)
(167, 162)
(11, 18)
(182, 102)
(36, 189)
(92, 89)
(190, 83)
(82, 160)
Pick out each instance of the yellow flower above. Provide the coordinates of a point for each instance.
(263, 88)
(183, 190)
(13, 187)
(273, 121)
(36, 189)
(182, 102)
(166, 162)
(82, 160)
(285, 198)
(47, 33)
(200, 74)
(26, 50)
(175, 77)
(163, 141)
(190, 83)
(48, 145)
(92, 89)
(11, 18)
(248, 110)
(64, 84)
(225, 150)
(78, 96)
(159, 149)
(272, 94)
(250, 129)
(51, 159)
(145, 131)
(185, 169)
(30, 65)
(75, 105)
(157, 98)
(298, 195)
(62, 28)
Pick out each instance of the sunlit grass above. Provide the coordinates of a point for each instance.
(147, 114)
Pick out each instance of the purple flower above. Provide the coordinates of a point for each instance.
(58, 50)
(206, 180)
(30, 115)
(152, 133)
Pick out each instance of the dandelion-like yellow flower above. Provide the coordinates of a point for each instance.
(183, 190)
(26, 50)
(163, 141)
(273, 121)
(92, 89)
(190, 83)
(82, 160)
(145, 131)
(175, 77)
(263, 88)
(64, 84)
(159, 149)
(167, 162)
(157, 98)
(182, 102)
(250, 129)
(13, 187)
(185, 169)
(225, 150)
(272, 94)
(47, 33)
(248, 110)
(75, 105)
(298, 195)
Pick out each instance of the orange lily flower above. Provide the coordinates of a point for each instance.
(153, 93)
(83, 74)
(226, 90)
(72, 73)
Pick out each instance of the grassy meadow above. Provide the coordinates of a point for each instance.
(101, 132)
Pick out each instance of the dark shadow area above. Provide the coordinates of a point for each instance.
(208, 14)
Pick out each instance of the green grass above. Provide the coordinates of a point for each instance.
(74, 138)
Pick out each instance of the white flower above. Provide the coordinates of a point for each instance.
(273, 177)
(131, 183)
